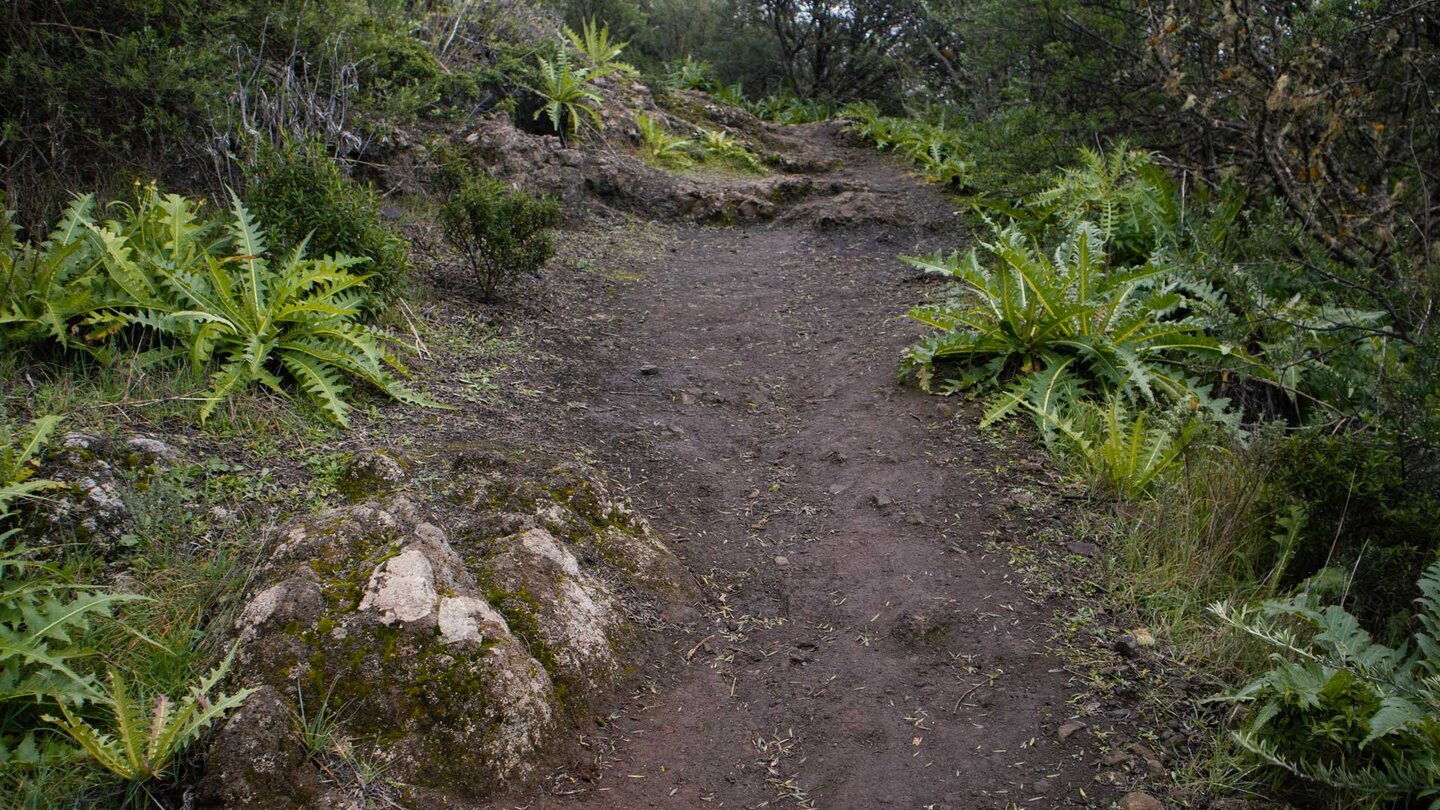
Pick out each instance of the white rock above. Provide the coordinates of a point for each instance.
(469, 618)
(403, 590)
(544, 544)
(260, 609)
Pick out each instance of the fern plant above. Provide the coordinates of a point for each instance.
(593, 42)
(261, 318)
(1125, 332)
(146, 736)
(569, 102)
(1339, 710)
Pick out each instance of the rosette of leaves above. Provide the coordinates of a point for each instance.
(260, 319)
(146, 735)
(1124, 332)
(569, 101)
(594, 43)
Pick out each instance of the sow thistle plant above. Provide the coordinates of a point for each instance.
(1053, 334)
(593, 42)
(260, 319)
(673, 151)
(569, 101)
(1340, 710)
(935, 150)
(49, 293)
(1123, 332)
(146, 734)
(212, 293)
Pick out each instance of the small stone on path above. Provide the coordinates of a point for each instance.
(1069, 729)
(1140, 800)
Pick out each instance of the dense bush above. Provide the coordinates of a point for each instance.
(94, 94)
(503, 234)
(302, 196)
(1365, 517)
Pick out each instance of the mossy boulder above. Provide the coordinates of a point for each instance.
(452, 639)
(508, 492)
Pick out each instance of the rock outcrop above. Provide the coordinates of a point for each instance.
(448, 637)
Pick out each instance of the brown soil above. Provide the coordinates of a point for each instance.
(862, 640)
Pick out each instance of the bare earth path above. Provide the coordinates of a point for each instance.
(860, 642)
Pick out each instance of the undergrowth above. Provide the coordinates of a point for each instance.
(1272, 515)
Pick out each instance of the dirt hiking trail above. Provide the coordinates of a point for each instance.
(861, 641)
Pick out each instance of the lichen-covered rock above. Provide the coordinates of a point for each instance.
(572, 611)
(373, 607)
(456, 647)
(508, 494)
(90, 505)
(257, 761)
(372, 474)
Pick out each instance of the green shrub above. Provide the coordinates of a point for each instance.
(1370, 514)
(502, 234)
(1337, 709)
(300, 194)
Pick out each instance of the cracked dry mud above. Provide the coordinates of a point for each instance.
(860, 643)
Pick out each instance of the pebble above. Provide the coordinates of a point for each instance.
(1070, 728)
(649, 371)
(782, 561)
(1114, 758)
(1140, 800)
